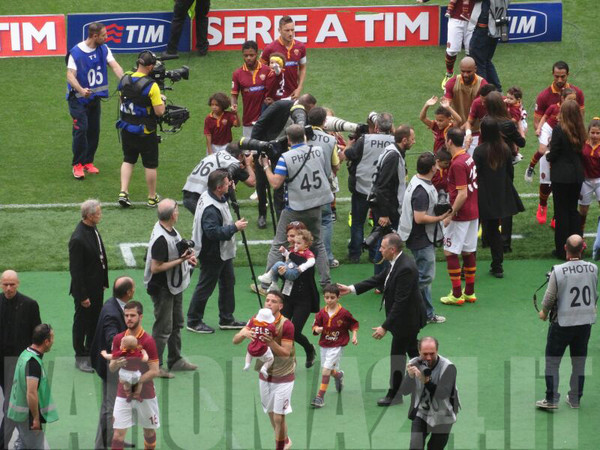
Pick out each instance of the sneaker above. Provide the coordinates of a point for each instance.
(445, 80)
(288, 444)
(273, 287)
(334, 263)
(436, 319)
(233, 325)
(553, 223)
(169, 53)
(162, 373)
(469, 298)
(261, 290)
(317, 402)
(529, 174)
(254, 196)
(201, 328)
(517, 159)
(152, 202)
(265, 278)
(452, 300)
(91, 168)
(78, 172)
(124, 199)
(541, 214)
(334, 216)
(349, 219)
(573, 404)
(183, 366)
(339, 381)
(544, 404)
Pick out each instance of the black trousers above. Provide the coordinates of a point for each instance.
(104, 433)
(482, 49)
(84, 325)
(180, 12)
(559, 338)
(568, 222)
(6, 378)
(212, 272)
(190, 201)
(298, 311)
(491, 234)
(420, 430)
(262, 184)
(401, 346)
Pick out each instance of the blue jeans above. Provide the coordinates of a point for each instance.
(425, 260)
(360, 209)
(291, 273)
(327, 229)
(482, 49)
(86, 129)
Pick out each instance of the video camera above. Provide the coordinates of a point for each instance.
(174, 116)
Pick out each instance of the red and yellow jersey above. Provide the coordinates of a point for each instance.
(219, 127)
(440, 180)
(251, 84)
(552, 115)
(146, 342)
(463, 175)
(336, 328)
(462, 8)
(439, 135)
(295, 55)
(591, 160)
(551, 96)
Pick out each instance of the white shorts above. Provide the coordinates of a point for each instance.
(545, 135)
(461, 236)
(147, 413)
(589, 189)
(459, 35)
(544, 171)
(330, 357)
(474, 144)
(247, 131)
(276, 397)
(218, 148)
(130, 376)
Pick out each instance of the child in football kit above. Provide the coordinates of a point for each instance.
(465, 14)
(591, 168)
(130, 374)
(288, 269)
(333, 323)
(261, 325)
(218, 124)
(444, 118)
(514, 103)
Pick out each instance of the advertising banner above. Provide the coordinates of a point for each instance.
(129, 32)
(529, 22)
(42, 35)
(332, 27)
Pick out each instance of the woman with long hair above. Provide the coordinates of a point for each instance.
(566, 172)
(497, 197)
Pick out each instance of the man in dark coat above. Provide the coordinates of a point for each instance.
(19, 315)
(404, 309)
(89, 278)
(110, 323)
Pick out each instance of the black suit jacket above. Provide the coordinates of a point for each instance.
(88, 278)
(27, 318)
(404, 308)
(110, 323)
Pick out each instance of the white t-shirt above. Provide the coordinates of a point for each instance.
(86, 49)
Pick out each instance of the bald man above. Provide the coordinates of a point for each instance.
(19, 315)
(463, 88)
(570, 304)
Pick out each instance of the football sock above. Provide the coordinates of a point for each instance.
(335, 374)
(324, 384)
(116, 444)
(453, 265)
(534, 159)
(470, 268)
(149, 442)
(545, 191)
(279, 445)
(450, 60)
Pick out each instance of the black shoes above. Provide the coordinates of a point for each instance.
(390, 400)
(497, 273)
(262, 222)
(84, 365)
(201, 328)
(233, 325)
(310, 358)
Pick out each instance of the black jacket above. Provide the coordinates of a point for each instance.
(27, 317)
(385, 187)
(497, 195)
(213, 232)
(565, 160)
(404, 308)
(511, 135)
(88, 278)
(272, 120)
(304, 288)
(110, 323)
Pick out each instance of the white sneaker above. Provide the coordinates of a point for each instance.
(436, 319)
(254, 196)
(265, 278)
(517, 159)
(529, 175)
(273, 287)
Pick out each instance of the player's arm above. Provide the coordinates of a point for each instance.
(541, 122)
(152, 372)
(456, 119)
(208, 135)
(236, 120)
(460, 199)
(423, 114)
(235, 89)
(301, 77)
(284, 350)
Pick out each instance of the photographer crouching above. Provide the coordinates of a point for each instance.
(434, 402)
(141, 104)
(169, 263)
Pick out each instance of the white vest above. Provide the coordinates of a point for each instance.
(401, 172)
(576, 283)
(407, 216)
(374, 145)
(197, 181)
(327, 143)
(178, 277)
(228, 248)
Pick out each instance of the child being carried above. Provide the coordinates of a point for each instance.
(129, 374)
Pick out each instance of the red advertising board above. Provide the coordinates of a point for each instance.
(331, 27)
(32, 35)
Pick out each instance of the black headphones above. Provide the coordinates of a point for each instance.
(146, 58)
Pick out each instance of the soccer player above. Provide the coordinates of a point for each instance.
(333, 323)
(460, 30)
(460, 229)
(445, 118)
(249, 80)
(295, 55)
(464, 88)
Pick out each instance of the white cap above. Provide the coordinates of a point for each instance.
(265, 315)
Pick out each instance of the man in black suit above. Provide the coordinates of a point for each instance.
(110, 323)
(404, 309)
(19, 315)
(89, 278)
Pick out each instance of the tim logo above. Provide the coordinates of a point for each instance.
(526, 24)
(135, 33)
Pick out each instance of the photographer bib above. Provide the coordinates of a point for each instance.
(178, 277)
(407, 216)
(374, 145)
(307, 185)
(227, 248)
(197, 181)
(576, 283)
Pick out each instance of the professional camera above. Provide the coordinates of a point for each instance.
(423, 367)
(184, 245)
(174, 116)
(376, 234)
(335, 124)
(160, 72)
(272, 149)
(443, 204)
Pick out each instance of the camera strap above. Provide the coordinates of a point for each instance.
(535, 305)
(302, 166)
